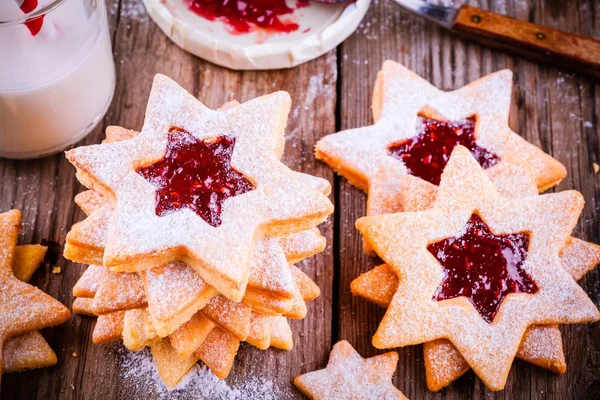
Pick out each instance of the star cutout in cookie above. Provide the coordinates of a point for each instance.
(415, 316)
(416, 128)
(482, 266)
(138, 238)
(348, 376)
(197, 175)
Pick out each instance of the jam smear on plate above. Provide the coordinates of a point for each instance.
(245, 16)
(426, 154)
(195, 174)
(483, 267)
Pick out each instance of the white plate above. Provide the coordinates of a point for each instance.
(322, 27)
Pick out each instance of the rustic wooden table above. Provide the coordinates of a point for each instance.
(557, 111)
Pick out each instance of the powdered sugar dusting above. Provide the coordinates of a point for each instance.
(170, 288)
(489, 349)
(132, 10)
(137, 236)
(270, 270)
(541, 344)
(138, 370)
(119, 291)
(400, 96)
(26, 351)
(348, 376)
(88, 283)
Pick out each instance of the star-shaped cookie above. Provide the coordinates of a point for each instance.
(542, 344)
(348, 376)
(270, 287)
(140, 236)
(418, 314)
(417, 126)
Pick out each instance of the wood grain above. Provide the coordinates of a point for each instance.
(556, 111)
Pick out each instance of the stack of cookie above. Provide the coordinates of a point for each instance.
(478, 266)
(24, 309)
(193, 228)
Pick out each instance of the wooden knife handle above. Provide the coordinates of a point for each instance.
(563, 49)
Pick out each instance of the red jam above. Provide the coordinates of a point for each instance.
(195, 174)
(244, 16)
(483, 267)
(33, 24)
(426, 154)
(28, 6)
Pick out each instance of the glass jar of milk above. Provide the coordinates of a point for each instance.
(57, 75)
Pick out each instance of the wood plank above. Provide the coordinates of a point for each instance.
(554, 110)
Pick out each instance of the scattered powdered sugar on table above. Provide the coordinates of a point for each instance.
(139, 371)
(133, 10)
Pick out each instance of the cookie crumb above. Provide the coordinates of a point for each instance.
(75, 354)
(56, 270)
(596, 167)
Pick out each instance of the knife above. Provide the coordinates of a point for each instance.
(539, 43)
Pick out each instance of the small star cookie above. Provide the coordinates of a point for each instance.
(348, 376)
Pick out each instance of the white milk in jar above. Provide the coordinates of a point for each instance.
(57, 74)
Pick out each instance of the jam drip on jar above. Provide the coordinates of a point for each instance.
(33, 24)
(483, 267)
(195, 174)
(426, 154)
(244, 16)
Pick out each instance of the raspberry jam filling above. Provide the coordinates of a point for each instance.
(243, 16)
(426, 154)
(195, 174)
(483, 267)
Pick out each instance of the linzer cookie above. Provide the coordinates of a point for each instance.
(24, 309)
(542, 345)
(185, 288)
(484, 310)
(348, 376)
(416, 128)
(198, 185)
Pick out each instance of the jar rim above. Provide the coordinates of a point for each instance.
(48, 8)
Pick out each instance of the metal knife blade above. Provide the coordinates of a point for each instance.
(441, 15)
